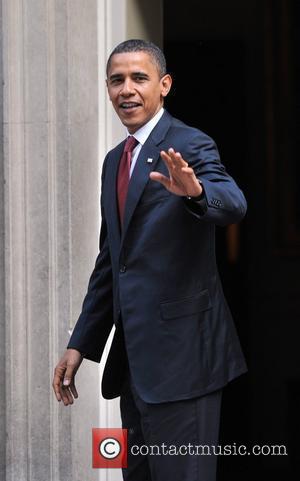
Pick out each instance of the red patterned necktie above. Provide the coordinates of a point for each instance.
(123, 174)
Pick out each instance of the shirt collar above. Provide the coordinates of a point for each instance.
(142, 134)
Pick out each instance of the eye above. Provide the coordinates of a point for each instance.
(140, 78)
(115, 81)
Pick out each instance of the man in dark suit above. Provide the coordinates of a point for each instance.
(175, 346)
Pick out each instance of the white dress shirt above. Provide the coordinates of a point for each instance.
(142, 135)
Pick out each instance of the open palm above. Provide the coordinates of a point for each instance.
(182, 179)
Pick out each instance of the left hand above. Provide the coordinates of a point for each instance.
(182, 179)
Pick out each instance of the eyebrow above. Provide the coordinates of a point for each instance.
(140, 74)
(117, 76)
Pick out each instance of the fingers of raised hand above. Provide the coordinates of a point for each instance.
(158, 177)
(173, 160)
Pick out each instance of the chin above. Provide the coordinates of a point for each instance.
(131, 125)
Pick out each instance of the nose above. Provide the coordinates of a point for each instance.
(127, 87)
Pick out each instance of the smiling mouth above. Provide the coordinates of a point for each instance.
(129, 105)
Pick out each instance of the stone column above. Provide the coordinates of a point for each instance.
(2, 286)
(51, 199)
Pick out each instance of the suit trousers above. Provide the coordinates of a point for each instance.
(170, 441)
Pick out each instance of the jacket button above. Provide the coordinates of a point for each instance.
(123, 269)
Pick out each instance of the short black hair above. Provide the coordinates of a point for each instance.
(138, 45)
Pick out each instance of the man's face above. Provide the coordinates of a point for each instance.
(135, 88)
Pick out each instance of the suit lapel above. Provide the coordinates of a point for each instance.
(143, 167)
(139, 179)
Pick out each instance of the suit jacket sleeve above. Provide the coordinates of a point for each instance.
(96, 319)
(223, 201)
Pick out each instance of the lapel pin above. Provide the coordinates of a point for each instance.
(149, 161)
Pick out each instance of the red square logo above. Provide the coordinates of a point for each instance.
(109, 448)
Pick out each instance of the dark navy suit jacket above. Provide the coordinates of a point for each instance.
(157, 281)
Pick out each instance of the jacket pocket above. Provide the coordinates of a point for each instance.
(186, 307)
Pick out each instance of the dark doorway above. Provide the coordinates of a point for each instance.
(235, 67)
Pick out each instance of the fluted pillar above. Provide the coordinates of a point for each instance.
(51, 192)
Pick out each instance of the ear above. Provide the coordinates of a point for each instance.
(165, 84)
